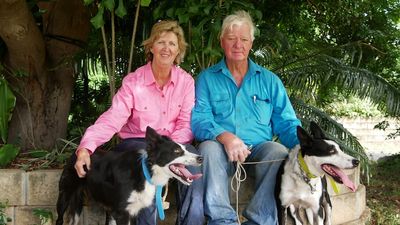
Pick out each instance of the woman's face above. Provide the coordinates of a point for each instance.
(165, 49)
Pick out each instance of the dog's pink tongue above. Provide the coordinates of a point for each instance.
(345, 179)
(189, 175)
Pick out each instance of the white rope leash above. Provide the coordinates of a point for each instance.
(239, 179)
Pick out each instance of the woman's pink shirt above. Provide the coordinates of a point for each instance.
(139, 103)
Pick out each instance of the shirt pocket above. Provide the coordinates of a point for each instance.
(221, 104)
(143, 113)
(262, 108)
(175, 108)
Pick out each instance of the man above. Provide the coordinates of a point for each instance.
(241, 104)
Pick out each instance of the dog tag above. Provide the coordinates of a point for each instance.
(165, 205)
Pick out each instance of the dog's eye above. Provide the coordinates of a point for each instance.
(332, 149)
(177, 151)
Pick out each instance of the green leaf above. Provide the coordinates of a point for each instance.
(87, 2)
(109, 4)
(7, 100)
(121, 10)
(8, 152)
(183, 18)
(98, 21)
(145, 3)
(38, 153)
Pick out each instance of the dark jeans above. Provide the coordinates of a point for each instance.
(189, 199)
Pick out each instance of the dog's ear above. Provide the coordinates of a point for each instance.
(316, 131)
(304, 138)
(151, 136)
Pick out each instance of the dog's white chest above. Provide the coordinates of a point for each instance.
(140, 200)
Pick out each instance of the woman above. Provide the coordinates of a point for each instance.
(158, 94)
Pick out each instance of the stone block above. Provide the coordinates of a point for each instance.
(349, 206)
(12, 187)
(42, 187)
(24, 215)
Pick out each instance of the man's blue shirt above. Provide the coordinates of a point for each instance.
(255, 112)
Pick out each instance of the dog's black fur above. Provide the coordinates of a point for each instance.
(296, 190)
(116, 180)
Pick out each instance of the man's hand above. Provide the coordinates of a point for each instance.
(234, 147)
(83, 158)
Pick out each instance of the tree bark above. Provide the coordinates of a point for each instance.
(40, 67)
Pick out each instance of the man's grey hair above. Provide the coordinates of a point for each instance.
(238, 18)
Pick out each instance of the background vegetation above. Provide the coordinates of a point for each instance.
(383, 193)
(323, 51)
(61, 61)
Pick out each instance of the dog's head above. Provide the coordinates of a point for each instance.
(168, 159)
(324, 156)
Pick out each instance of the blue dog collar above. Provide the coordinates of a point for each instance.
(159, 205)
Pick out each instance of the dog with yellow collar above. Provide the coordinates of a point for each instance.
(301, 181)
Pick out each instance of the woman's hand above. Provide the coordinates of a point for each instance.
(83, 158)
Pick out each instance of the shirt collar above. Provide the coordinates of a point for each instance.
(149, 76)
(221, 66)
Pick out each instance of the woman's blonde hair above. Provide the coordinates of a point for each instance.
(157, 30)
(237, 18)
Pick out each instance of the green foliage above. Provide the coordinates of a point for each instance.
(383, 125)
(8, 153)
(7, 100)
(202, 22)
(4, 219)
(42, 159)
(121, 10)
(383, 193)
(108, 4)
(45, 215)
(145, 3)
(98, 21)
(352, 107)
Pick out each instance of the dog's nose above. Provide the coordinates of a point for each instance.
(199, 159)
(355, 162)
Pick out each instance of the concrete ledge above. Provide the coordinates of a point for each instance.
(26, 191)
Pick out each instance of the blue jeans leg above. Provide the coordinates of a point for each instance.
(216, 173)
(189, 199)
(262, 207)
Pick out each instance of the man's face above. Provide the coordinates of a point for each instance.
(237, 43)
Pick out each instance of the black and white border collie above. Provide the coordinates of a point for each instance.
(117, 181)
(301, 181)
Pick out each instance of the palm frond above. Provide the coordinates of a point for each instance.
(308, 74)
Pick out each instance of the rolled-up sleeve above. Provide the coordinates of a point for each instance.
(111, 121)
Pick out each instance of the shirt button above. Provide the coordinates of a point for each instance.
(164, 128)
(162, 96)
(145, 107)
(164, 113)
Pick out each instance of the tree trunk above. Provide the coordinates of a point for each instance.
(40, 67)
